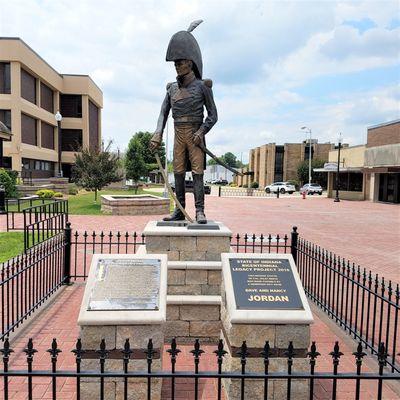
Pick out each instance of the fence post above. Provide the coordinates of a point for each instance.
(67, 254)
(219, 191)
(293, 244)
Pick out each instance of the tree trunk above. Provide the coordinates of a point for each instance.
(95, 195)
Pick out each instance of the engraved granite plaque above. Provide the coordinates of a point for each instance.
(264, 283)
(126, 284)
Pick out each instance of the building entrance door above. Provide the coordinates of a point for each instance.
(389, 188)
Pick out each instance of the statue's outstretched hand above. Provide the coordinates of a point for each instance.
(155, 141)
(198, 137)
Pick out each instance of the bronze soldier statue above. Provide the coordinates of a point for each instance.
(187, 98)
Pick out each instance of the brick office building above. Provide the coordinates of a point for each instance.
(31, 92)
(273, 163)
(370, 171)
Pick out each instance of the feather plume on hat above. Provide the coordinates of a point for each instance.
(194, 25)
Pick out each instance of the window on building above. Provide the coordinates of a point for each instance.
(7, 163)
(38, 168)
(28, 86)
(71, 139)
(47, 132)
(71, 105)
(5, 118)
(46, 98)
(307, 152)
(279, 154)
(93, 126)
(350, 181)
(5, 78)
(28, 130)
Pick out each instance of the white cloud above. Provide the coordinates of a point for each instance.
(258, 53)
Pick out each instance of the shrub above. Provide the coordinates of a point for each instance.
(58, 194)
(8, 179)
(45, 193)
(254, 185)
(73, 190)
(244, 186)
(232, 184)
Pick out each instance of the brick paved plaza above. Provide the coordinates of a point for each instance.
(366, 233)
(363, 232)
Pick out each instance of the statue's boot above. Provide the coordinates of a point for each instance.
(177, 215)
(198, 189)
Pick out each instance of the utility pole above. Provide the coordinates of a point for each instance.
(309, 154)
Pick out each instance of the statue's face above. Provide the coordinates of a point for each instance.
(183, 67)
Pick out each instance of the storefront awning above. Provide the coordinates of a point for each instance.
(332, 167)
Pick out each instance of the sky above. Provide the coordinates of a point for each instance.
(276, 66)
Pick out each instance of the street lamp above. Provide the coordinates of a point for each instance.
(338, 167)
(309, 155)
(58, 118)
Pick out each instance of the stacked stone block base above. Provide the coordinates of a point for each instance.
(115, 337)
(255, 335)
(188, 248)
(198, 281)
(187, 322)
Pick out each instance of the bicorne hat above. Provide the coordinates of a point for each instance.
(183, 46)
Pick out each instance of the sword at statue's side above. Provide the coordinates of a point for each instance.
(220, 162)
(171, 192)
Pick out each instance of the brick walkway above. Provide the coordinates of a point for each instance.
(363, 232)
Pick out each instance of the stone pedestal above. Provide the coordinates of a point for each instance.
(116, 307)
(182, 243)
(242, 320)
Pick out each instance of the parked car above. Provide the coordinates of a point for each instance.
(311, 188)
(189, 187)
(221, 182)
(282, 187)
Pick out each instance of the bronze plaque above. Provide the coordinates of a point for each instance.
(126, 284)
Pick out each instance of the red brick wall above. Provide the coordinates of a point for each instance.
(388, 134)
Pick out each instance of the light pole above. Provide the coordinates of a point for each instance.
(309, 154)
(338, 167)
(58, 118)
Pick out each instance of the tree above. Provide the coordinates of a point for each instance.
(316, 177)
(135, 165)
(148, 156)
(8, 180)
(96, 168)
(230, 159)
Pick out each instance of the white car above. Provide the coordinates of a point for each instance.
(311, 188)
(282, 187)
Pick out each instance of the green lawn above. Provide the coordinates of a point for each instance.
(84, 204)
(11, 244)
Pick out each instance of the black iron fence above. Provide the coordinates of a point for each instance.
(83, 245)
(44, 221)
(29, 279)
(365, 306)
(246, 377)
(16, 207)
